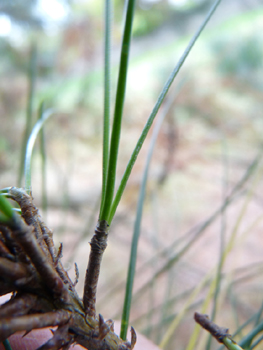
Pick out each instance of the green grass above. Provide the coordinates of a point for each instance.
(159, 265)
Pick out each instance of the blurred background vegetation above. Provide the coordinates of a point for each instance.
(212, 132)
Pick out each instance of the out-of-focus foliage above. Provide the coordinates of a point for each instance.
(23, 12)
(151, 15)
(30, 14)
(239, 58)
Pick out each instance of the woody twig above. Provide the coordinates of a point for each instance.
(221, 334)
(43, 295)
(98, 245)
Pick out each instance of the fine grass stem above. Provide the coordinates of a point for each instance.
(30, 100)
(118, 113)
(177, 319)
(137, 225)
(226, 251)
(30, 146)
(152, 116)
(247, 339)
(43, 160)
(256, 343)
(194, 234)
(230, 344)
(107, 96)
(222, 239)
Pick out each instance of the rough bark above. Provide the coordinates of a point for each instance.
(43, 295)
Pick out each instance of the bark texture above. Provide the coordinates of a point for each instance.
(43, 295)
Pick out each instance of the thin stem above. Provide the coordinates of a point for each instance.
(107, 96)
(98, 245)
(256, 343)
(119, 103)
(7, 345)
(221, 334)
(247, 340)
(137, 225)
(231, 344)
(235, 193)
(30, 146)
(222, 240)
(43, 158)
(161, 97)
(29, 109)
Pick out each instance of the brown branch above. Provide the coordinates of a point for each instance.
(217, 332)
(30, 214)
(98, 245)
(13, 270)
(29, 211)
(25, 237)
(43, 293)
(10, 325)
(44, 235)
(61, 339)
(18, 305)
